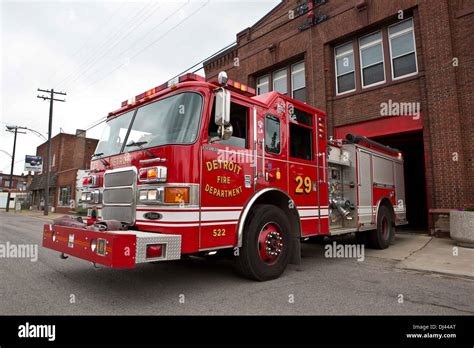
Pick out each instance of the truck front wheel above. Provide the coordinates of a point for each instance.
(265, 249)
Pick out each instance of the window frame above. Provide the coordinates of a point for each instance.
(265, 134)
(368, 45)
(295, 72)
(336, 56)
(60, 202)
(289, 79)
(312, 133)
(392, 58)
(285, 78)
(260, 84)
(247, 125)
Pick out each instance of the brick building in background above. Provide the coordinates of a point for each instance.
(358, 60)
(69, 154)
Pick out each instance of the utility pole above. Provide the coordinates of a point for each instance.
(50, 126)
(12, 129)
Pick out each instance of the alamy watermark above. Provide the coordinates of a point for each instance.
(392, 108)
(28, 330)
(19, 251)
(346, 251)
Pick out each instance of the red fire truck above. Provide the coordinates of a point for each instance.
(200, 167)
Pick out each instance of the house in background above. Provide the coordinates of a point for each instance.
(19, 192)
(70, 153)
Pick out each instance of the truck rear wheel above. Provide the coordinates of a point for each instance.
(385, 232)
(265, 249)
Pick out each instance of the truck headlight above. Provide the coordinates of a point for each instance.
(86, 197)
(154, 195)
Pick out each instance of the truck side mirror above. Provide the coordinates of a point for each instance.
(222, 116)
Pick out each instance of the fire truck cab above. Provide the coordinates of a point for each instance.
(195, 166)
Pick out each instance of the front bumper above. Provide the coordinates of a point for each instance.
(114, 249)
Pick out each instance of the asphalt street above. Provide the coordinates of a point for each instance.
(319, 286)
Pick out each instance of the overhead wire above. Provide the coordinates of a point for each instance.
(111, 48)
(103, 46)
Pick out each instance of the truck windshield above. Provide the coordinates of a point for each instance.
(172, 120)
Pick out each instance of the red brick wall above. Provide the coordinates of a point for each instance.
(442, 29)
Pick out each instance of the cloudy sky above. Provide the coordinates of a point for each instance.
(101, 53)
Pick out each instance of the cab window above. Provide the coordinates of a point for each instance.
(272, 134)
(238, 120)
(301, 135)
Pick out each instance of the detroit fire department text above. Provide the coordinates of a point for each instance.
(160, 186)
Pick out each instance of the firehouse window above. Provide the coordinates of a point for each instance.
(345, 72)
(272, 134)
(263, 85)
(280, 81)
(238, 120)
(298, 83)
(402, 49)
(371, 58)
(301, 142)
(64, 196)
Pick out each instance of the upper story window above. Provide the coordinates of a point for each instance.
(402, 49)
(371, 59)
(263, 84)
(298, 83)
(368, 65)
(345, 72)
(280, 82)
(272, 134)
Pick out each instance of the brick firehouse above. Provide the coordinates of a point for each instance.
(399, 72)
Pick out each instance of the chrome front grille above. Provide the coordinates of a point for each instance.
(119, 195)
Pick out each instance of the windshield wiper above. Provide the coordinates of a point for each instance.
(103, 160)
(137, 144)
(140, 144)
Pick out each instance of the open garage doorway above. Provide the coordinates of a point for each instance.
(411, 146)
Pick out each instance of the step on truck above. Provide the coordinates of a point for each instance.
(196, 167)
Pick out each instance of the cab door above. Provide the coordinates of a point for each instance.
(226, 178)
(270, 146)
(303, 167)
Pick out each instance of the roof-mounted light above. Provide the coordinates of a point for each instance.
(240, 87)
(222, 78)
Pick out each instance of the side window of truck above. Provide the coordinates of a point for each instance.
(239, 120)
(272, 134)
(301, 135)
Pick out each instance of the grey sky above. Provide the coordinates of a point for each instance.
(96, 52)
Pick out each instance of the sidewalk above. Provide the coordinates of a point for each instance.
(428, 254)
(35, 214)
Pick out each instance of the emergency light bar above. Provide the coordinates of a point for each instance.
(240, 87)
(170, 84)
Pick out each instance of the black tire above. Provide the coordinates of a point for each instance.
(260, 222)
(385, 232)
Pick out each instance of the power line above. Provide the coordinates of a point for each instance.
(104, 45)
(153, 29)
(101, 27)
(148, 46)
(110, 49)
